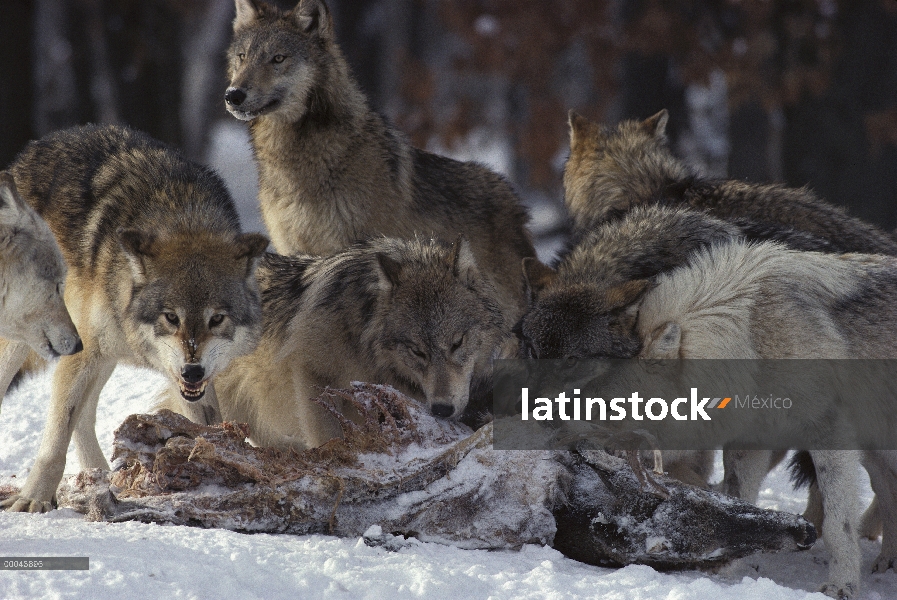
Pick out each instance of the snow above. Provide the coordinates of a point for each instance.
(136, 560)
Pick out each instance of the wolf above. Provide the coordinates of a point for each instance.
(159, 276)
(609, 172)
(33, 316)
(415, 314)
(741, 300)
(333, 172)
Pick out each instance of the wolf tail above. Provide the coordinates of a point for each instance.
(802, 470)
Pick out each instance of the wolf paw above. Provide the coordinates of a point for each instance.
(18, 503)
(841, 592)
(884, 562)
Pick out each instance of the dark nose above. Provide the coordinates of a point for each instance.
(442, 410)
(79, 346)
(234, 96)
(193, 373)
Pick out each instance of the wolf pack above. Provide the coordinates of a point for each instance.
(399, 266)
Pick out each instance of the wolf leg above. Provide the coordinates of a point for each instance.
(76, 386)
(838, 476)
(870, 522)
(745, 471)
(882, 468)
(90, 455)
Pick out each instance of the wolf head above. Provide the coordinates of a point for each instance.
(276, 57)
(440, 325)
(573, 320)
(609, 171)
(194, 301)
(32, 278)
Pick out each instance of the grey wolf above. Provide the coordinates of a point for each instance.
(159, 276)
(333, 172)
(737, 300)
(33, 316)
(609, 172)
(417, 315)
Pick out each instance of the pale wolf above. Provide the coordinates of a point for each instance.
(736, 300)
(333, 172)
(610, 171)
(32, 279)
(417, 315)
(159, 276)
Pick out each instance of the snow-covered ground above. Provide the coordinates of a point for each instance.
(133, 560)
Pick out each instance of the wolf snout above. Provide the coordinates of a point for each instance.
(193, 373)
(234, 96)
(193, 384)
(64, 345)
(443, 411)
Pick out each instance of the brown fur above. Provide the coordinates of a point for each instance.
(333, 172)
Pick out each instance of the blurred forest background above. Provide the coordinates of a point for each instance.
(797, 91)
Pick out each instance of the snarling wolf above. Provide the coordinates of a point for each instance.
(417, 315)
(33, 316)
(737, 300)
(159, 276)
(333, 172)
(610, 171)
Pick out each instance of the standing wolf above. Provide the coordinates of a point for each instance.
(32, 278)
(333, 172)
(417, 315)
(609, 172)
(159, 276)
(740, 301)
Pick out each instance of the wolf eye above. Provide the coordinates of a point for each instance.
(172, 318)
(457, 344)
(242, 56)
(216, 320)
(278, 58)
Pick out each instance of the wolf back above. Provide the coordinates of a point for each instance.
(611, 171)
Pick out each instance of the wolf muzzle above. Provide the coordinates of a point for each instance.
(192, 384)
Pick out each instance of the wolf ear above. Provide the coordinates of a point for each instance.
(656, 125)
(247, 13)
(537, 275)
(390, 270)
(625, 294)
(138, 247)
(313, 17)
(663, 342)
(464, 264)
(250, 246)
(11, 204)
(579, 127)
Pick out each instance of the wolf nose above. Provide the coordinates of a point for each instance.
(193, 373)
(79, 346)
(442, 410)
(234, 96)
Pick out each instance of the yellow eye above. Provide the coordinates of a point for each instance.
(278, 58)
(241, 56)
(216, 320)
(172, 318)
